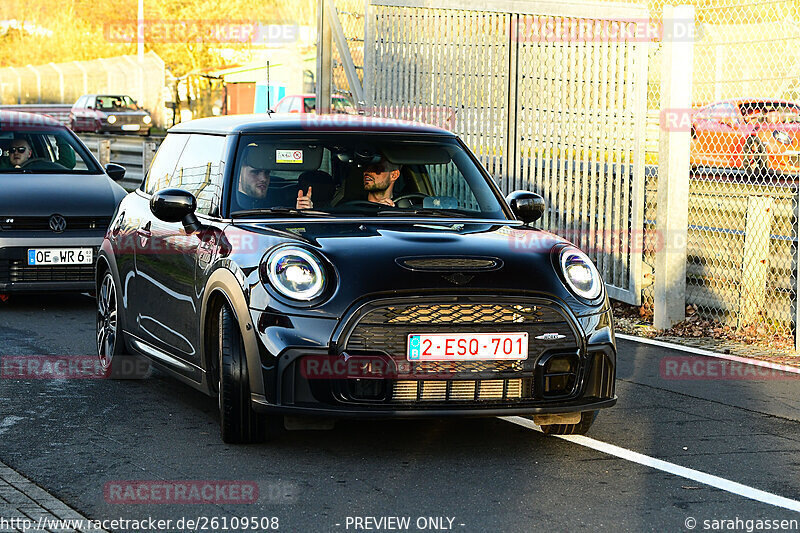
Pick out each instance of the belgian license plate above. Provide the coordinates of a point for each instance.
(59, 256)
(130, 127)
(467, 346)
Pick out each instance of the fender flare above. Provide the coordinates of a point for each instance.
(224, 283)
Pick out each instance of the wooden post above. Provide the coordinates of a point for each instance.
(104, 151)
(755, 263)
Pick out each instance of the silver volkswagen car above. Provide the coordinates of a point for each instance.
(56, 204)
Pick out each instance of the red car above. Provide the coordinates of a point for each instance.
(307, 103)
(756, 135)
(107, 113)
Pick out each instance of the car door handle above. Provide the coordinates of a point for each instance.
(144, 231)
(144, 234)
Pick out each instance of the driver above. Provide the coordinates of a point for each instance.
(379, 179)
(19, 152)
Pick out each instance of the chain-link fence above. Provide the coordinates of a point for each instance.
(351, 16)
(742, 208)
(64, 83)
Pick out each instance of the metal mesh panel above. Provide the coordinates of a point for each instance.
(745, 154)
(448, 68)
(351, 17)
(579, 141)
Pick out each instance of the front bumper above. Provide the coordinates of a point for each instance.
(17, 276)
(132, 128)
(345, 369)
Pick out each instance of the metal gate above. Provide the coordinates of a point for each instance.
(550, 96)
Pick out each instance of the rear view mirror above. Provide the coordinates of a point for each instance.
(176, 205)
(115, 172)
(527, 206)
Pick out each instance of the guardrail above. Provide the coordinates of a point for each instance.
(132, 152)
(60, 112)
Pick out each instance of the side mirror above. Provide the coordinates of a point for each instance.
(176, 205)
(115, 172)
(527, 206)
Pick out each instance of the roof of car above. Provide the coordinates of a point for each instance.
(13, 120)
(263, 123)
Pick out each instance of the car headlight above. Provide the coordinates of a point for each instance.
(782, 137)
(581, 275)
(146, 119)
(111, 119)
(295, 273)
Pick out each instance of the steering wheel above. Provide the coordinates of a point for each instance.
(405, 199)
(356, 203)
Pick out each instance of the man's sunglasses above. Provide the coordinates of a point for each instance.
(17, 149)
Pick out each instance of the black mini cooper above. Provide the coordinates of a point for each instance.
(349, 266)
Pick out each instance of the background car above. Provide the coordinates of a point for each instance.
(108, 113)
(420, 304)
(56, 204)
(307, 103)
(755, 135)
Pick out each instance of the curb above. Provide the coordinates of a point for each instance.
(708, 353)
(21, 499)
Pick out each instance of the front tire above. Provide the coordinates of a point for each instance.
(114, 362)
(581, 428)
(239, 424)
(109, 344)
(754, 158)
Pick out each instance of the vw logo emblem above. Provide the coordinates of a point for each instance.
(58, 223)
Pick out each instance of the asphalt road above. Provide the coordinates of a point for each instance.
(74, 437)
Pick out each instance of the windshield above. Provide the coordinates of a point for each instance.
(116, 103)
(339, 104)
(770, 113)
(49, 151)
(359, 174)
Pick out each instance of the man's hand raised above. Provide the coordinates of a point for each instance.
(304, 201)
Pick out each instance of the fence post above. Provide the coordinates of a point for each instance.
(104, 151)
(672, 200)
(148, 152)
(324, 59)
(797, 272)
(755, 263)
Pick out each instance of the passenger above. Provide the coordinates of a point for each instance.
(321, 182)
(252, 192)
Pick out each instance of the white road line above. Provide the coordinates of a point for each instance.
(700, 351)
(664, 466)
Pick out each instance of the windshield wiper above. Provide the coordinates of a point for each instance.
(424, 211)
(273, 211)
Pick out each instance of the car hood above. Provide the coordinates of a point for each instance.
(68, 195)
(379, 258)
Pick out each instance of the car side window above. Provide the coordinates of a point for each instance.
(163, 165)
(297, 105)
(199, 170)
(283, 106)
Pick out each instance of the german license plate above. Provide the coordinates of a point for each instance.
(467, 346)
(130, 127)
(59, 256)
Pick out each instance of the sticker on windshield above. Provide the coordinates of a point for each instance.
(289, 156)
